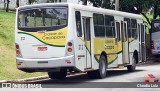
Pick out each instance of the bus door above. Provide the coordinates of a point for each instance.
(143, 46)
(87, 40)
(125, 43)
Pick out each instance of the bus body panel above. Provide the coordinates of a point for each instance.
(30, 44)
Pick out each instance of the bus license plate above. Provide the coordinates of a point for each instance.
(42, 48)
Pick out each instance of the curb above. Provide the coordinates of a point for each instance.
(25, 80)
(3, 81)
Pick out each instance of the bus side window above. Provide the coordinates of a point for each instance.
(110, 26)
(134, 28)
(139, 30)
(142, 33)
(99, 29)
(122, 31)
(118, 30)
(78, 23)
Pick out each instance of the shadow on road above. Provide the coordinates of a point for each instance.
(84, 78)
(149, 63)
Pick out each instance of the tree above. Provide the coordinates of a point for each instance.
(17, 3)
(7, 9)
(4, 4)
(84, 2)
(107, 4)
(117, 5)
(142, 6)
(31, 1)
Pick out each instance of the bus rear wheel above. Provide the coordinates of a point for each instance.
(101, 72)
(58, 75)
(132, 67)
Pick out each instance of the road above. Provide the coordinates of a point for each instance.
(113, 75)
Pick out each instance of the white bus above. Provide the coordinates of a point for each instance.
(155, 36)
(62, 38)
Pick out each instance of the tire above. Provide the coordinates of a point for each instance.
(58, 75)
(132, 68)
(156, 58)
(101, 72)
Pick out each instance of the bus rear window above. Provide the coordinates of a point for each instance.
(42, 17)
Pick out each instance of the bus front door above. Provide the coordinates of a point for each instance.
(125, 43)
(87, 39)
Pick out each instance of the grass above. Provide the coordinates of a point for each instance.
(8, 69)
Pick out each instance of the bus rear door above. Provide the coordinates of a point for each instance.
(125, 43)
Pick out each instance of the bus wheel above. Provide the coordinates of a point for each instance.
(102, 67)
(132, 67)
(101, 72)
(58, 75)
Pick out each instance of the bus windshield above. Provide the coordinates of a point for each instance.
(42, 17)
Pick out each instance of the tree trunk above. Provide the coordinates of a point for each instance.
(117, 5)
(7, 6)
(84, 2)
(4, 4)
(155, 10)
(17, 3)
(29, 1)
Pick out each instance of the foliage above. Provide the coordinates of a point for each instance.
(103, 3)
(31, 1)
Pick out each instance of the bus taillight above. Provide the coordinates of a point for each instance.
(152, 45)
(69, 43)
(70, 49)
(18, 52)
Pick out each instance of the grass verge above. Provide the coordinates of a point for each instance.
(8, 69)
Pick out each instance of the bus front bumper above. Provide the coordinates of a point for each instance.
(45, 63)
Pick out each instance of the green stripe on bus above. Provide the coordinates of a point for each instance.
(41, 40)
(97, 58)
(113, 60)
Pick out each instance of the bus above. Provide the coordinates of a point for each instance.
(63, 38)
(155, 42)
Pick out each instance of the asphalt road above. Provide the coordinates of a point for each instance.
(119, 77)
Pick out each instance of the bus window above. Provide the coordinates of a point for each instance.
(42, 18)
(122, 31)
(134, 28)
(143, 33)
(118, 30)
(86, 27)
(139, 30)
(128, 20)
(125, 31)
(109, 26)
(99, 29)
(78, 24)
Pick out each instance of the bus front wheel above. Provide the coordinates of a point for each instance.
(58, 75)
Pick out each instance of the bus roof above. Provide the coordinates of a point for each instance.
(85, 8)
